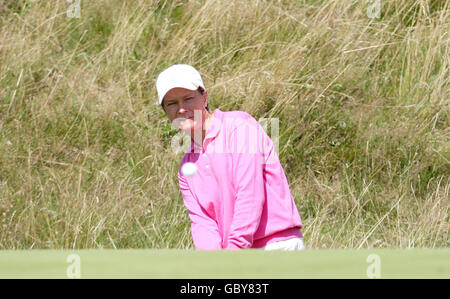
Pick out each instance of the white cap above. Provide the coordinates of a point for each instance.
(178, 75)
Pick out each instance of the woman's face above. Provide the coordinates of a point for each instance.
(180, 103)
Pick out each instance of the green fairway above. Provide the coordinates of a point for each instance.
(368, 263)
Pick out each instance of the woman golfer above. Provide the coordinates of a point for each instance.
(235, 189)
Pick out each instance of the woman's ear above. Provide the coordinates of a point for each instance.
(204, 93)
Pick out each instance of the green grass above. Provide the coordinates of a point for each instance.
(411, 263)
(85, 159)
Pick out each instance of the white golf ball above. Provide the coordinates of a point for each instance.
(189, 169)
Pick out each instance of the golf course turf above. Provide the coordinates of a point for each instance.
(245, 264)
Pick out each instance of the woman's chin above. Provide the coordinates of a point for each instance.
(192, 131)
(188, 126)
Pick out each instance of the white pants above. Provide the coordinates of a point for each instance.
(288, 245)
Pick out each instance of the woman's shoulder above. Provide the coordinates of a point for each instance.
(237, 114)
(237, 118)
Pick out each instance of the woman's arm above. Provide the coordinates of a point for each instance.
(250, 192)
(205, 233)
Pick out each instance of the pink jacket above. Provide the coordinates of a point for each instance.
(239, 197)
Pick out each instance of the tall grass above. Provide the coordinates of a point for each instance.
(363, 107)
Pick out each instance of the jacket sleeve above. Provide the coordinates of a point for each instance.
(250, 192)
(205, 233)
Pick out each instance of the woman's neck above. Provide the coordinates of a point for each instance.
(207, 123)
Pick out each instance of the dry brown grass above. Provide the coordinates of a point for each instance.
(85, 158)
